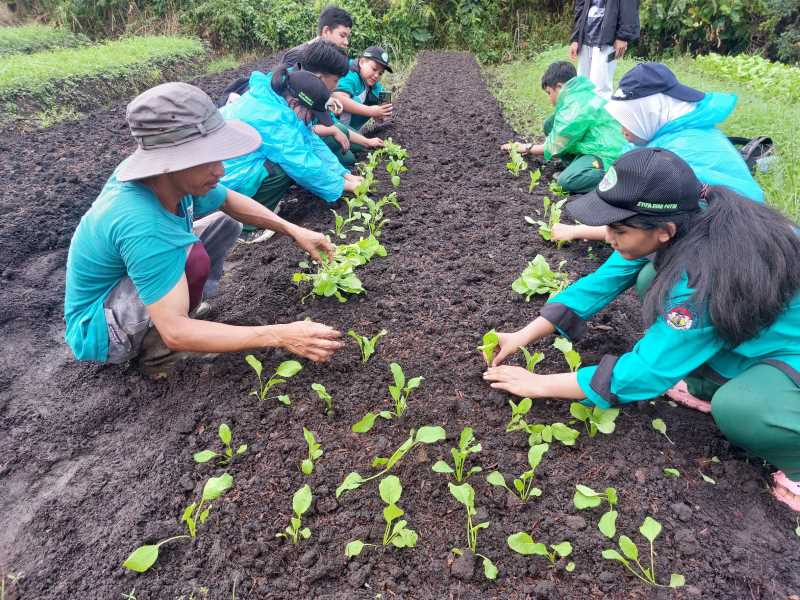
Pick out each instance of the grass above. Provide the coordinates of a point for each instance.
(36, 37)
(516, 85)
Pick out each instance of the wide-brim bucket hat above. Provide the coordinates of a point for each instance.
(177, 126)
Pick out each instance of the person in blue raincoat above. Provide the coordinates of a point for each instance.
(656, 111)
(282, 106)
(722, 313)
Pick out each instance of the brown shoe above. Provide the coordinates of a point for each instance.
(156, 360)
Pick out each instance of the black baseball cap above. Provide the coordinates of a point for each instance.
(646, 79)
(648, 181)
(311, 92)
(379, 55)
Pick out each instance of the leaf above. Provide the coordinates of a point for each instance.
(676, 580)
(650, 528)
(354, 548)
(397, 373)
(142, 558)
(535, 454)
(353, 481)
(463, 493)
(406, 538)
(608, 524)
(414, 382)
(611, 554)
(563, 549)
(204, 514)
(611, 496)
(284, 399)
(305, 532)
(496, 478)
(659, 426)
(489, 569)
(307, 466)
(522, 543)
(225, 434)
(490, 341)
(441, 467)
(204, 456)
(564, 434)
(669, 471)
(708, 479)
(216, 486)
(579, 411)
(288, 368)
(241, 449)
(628, 548)
(570, 567)
(583, 501)
(255, 364)
(365, 424)
(430, 434)
(390, 489)
(301, 501)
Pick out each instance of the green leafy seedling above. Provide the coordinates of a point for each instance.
(516, 163)
(661, 427)
(466, 446)
(585, 497)
(540, 432)
(518, 412)
(571, 355)
(326, 398)
(399, 392)
(671, 472)
(367, 344)
(465, 494)
(536, 175)
(522, 543)
(552, 214)
(314, 452)
(395, 167)
(523, 485)
(396, 532)
(333, 278)
(285, 370)
(629, 558)
(531, 360)
(225, 435)
(537, 278)
(556, 189)
(428, 434)
(301, 502)
(595, 418)
(490, 342)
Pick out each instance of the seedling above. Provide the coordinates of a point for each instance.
(518, 411)
(522, 543)
(466, 446)
(571, 355)
(333, 278)
(671, 472)
(552, 214)
(367, 344)
(314, 452)
(429, 434)
(325, 397)
(531, 360)
(536, 175)
(361, 252)
(661, 427)
(226, 456)
(395, 167)
(285, 370)
(490, 341)
(394, 150)
(516, 163)
(340, 222)
(396, 532)
(797, 529)
(145, 556)
(399, 393)
(556, 189)
(524, 483)
(595, 418)
(466, 496)
(538, 432)
(585, 497)
(538, 278)
(301, 502)
(650, 529)
(373, 219)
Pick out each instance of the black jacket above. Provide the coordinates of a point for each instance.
(620, 22)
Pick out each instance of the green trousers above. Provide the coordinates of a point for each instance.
(347, 158)
(272, 188)
(758, 410)
(582, 173)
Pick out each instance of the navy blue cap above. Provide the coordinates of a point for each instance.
(646, 79)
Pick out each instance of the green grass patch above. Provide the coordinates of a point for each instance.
(517, 87)
(222, 63)
(36, 37)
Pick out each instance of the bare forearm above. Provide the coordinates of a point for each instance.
(324, 130)
(183, 334)
(535, 330)
(248, 211)
(359, 139)
(536, 150)
(558, 385)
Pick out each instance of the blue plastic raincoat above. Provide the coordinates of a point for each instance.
(287, 141)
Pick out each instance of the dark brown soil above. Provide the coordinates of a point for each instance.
(97, 460)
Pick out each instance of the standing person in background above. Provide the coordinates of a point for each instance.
(334, 25)
(601, 34)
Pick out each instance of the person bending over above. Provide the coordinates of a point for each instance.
(144, 256)
(722, 312)
(360, 90)
(580, 132)
(334, 25)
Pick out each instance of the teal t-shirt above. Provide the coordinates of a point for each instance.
(353, 85)
(126, 231)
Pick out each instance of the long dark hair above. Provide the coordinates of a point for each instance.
(742, 259)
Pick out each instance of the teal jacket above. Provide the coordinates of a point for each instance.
(676, 343)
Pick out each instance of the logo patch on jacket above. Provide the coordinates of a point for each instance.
(680, 318)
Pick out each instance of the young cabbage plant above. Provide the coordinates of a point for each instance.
(301, 502)
(629, 558)
(399, 393)
(661, 427)
(595, 418)
(226, 456)
(361, 252)
(396, 532)
(314, 452)
(367, 344)
(394, 150)
(536, 175)
(538, 278)
(523, 485)
(671, 472)
(466, 446)
(539, 433)
(342, 225)
(556, 189)
(585, 497)
(518, 412)
(571, 355)
(373, 218)
(465, 494)
(516, 164)
(428, 434)
(522, 543)
(333, 278)
(490, 342)
(285, 370)
(325, 397)
(531, 360)
(395, 167)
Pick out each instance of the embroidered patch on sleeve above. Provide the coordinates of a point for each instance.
(680, 318)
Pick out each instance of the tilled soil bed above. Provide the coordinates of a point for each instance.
(97, 460)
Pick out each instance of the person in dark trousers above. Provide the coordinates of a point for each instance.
(722, 312)
(334, 25)
(600, 36)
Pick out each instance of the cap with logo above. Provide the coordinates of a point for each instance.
(646, 79)
(177, 126)
(379, 55)
(649, 181)
(311, 92)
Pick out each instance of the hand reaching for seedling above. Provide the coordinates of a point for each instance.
(313, 242)
(311, 340)
(514, 380)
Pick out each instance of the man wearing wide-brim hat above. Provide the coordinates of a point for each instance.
(140, 263)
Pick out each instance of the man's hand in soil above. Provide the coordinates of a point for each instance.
(620, 47)
(312, 242)
(521, 382)
(379, 112)
(573, 51)
(311, 340)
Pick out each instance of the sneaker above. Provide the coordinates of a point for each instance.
(786, 490)
(156, 360)
(256, 236)
(680, 394)
(203, 311)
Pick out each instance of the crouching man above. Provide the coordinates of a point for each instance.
(140, 261)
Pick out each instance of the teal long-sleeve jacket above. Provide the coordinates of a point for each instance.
(679, 341)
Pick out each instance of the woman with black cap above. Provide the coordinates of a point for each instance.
(722, 313)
